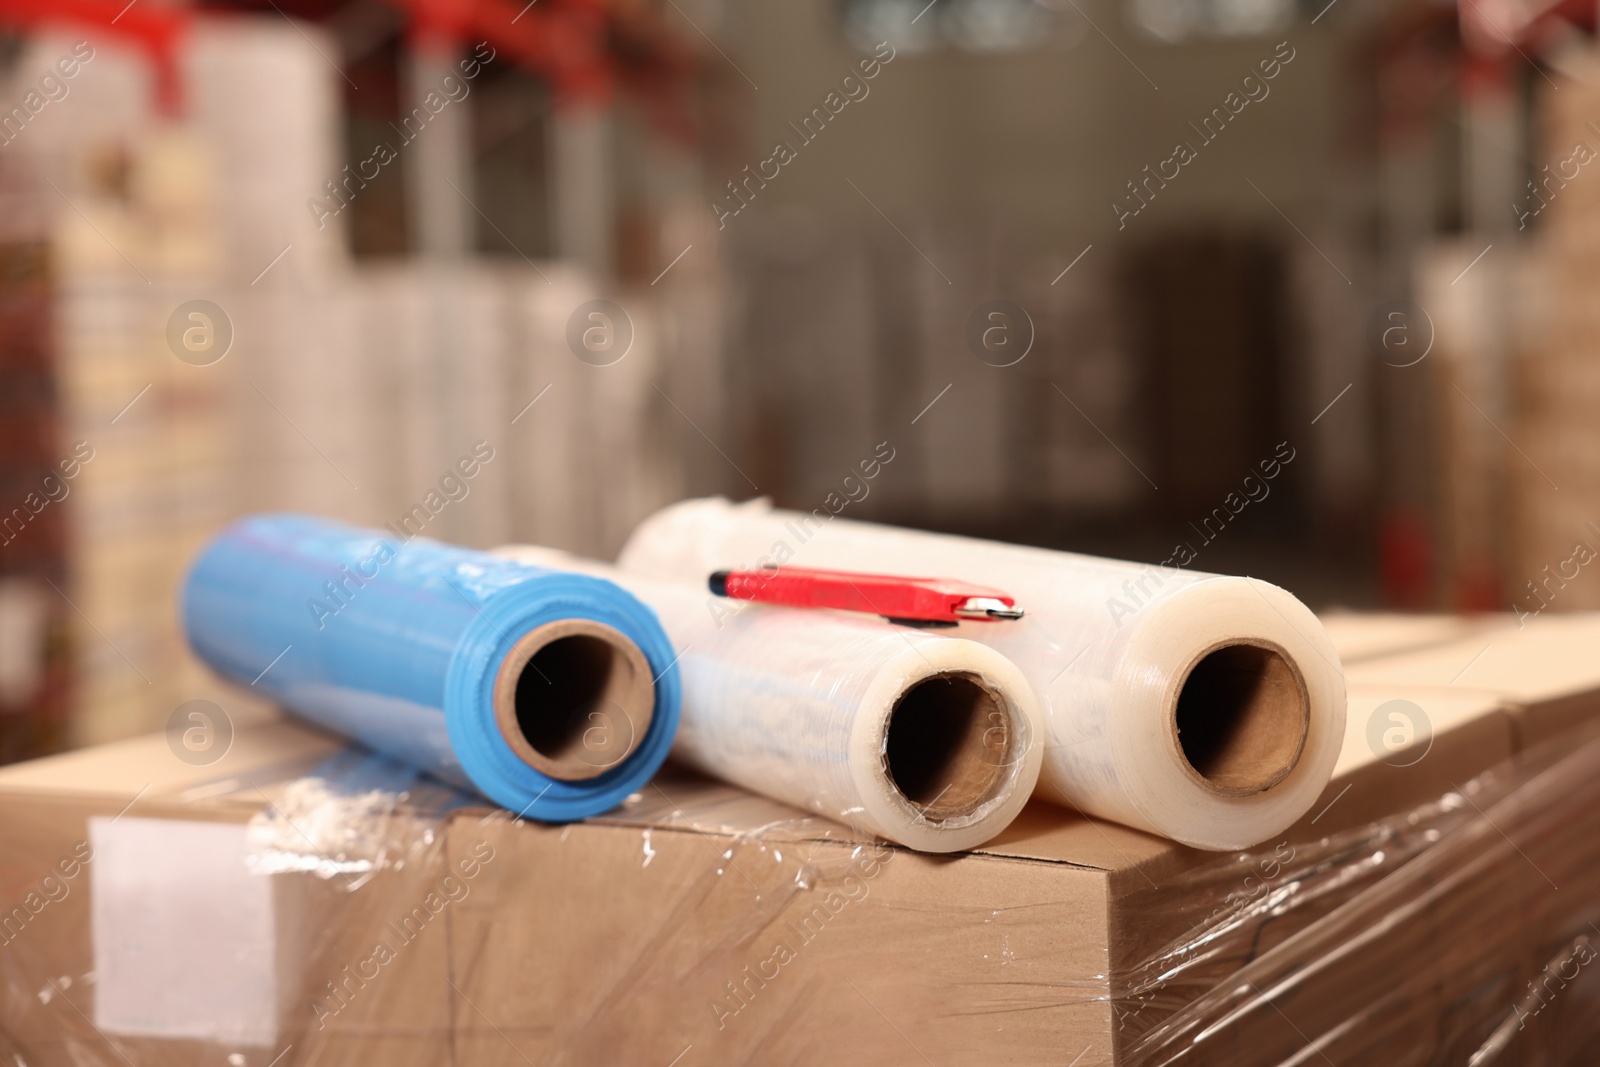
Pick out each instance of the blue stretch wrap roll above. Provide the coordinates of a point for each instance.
(403, 658)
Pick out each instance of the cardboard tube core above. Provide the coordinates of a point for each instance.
(948, 743)
(574, 698)
(1241, 718)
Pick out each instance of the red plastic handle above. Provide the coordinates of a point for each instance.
(901, 599)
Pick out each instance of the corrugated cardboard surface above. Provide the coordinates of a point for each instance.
(743, 946)
(1545, 670)
(1360, 636)
(1405, 745)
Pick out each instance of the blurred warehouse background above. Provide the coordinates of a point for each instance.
(1296, 286)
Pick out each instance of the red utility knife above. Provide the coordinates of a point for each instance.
(911, 601)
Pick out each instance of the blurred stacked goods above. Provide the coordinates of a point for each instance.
(1558, 380)
(35, 623)
(40, 465)
(151, 484)
(126, 201)
(220, 352)
(1465, 291)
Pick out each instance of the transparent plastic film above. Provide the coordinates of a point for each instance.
(1462, 931)
(928, 741)
(363, 914)
(1202, 708)
(239, 924)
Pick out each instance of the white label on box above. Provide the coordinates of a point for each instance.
(184, 935)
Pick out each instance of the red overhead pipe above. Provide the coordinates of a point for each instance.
(156, 29)
(1497, 26)
(1497, 34)
(564, 42)
(588, 50)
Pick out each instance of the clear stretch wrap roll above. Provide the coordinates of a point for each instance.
(1207, 709)
(550, 693)
(929, 741)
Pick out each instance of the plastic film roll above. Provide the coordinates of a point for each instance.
(549, 693)
(1207, 709)
(929, 741)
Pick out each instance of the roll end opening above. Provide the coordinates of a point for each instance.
(949, 742)
(574, 698)
(1241, 718)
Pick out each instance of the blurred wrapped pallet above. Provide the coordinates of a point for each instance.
(134, 243)
(591, 386)
(266, 101)
(1465, 290)
(453, 396)
(36, 624)
(634, 422)
(298, 394)
(1555, 479)
(34, 620)
(553, 502)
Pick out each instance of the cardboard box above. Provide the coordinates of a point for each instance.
(591, 941)
(696, 918)
(1405, 746)
(1359, 635)
(249, 908)
(1545, 671)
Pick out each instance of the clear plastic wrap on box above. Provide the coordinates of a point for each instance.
(261, 913)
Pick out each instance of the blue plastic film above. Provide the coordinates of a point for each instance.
(397, 644)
